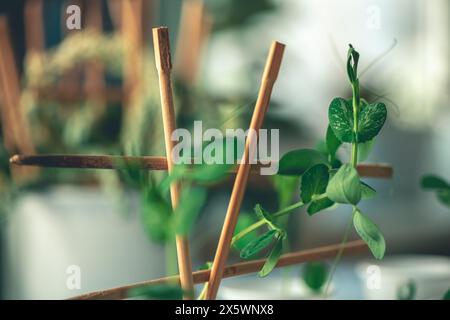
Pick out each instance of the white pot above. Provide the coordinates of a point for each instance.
(66, 226)
(382, 279)
(275, 287)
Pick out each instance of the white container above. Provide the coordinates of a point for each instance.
(382, 279)
(272, 288)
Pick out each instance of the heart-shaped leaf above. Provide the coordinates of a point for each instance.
(432, 182)
(314, 182)
(315, 274)
(370, 233)
(296, 162)
(340, 116)
(344, 186)
(332, 142)
(258, 244)
(319, 205)
(371, 120)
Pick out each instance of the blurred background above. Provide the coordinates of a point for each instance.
(95, 91)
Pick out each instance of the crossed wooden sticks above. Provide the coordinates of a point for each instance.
(187, 278)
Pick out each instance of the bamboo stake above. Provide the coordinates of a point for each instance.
(34, 26)
(12, 117)
(192, 34)
(242, 268)
(164, 66)
(268, 80)
(366, 170)
(94, 84)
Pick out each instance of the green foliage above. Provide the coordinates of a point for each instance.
(370, 120)
(344, 186)
(446, 295)
(191, 202)
(267, 217)
(156, 215)
(315, 275)
(407, 291)
(367, 192)
(313, 187)
(274, 255)
(296, 162)
(439, 186)
(370, 233)
(259, 244)
(245, 220)
(324, 180)
(340, 115)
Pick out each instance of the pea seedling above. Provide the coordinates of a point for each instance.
(324, 181)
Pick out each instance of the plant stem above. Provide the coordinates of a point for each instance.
(354, 163)
(356, 109)
(338, 257)
(260, 223)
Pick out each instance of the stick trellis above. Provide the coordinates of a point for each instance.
(219, 270)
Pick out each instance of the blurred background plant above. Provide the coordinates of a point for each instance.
(95, 91)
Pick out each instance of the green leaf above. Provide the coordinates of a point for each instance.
(156, 215)
(432, 182)
(267, 217)
(371, 120)
(367, 192)
(364, 150)
(273, 258)
(407, 291)
(315, 275)
(352, 64)
(370, 233)
(190, 205)
(332, 142)
(340, 116)
(314, 182)
(245, 220)
(446, 295)
(319, 205)
(159, 292)
(344, 186)
(258, 244)
(208, 173)
(206, 266)
(285, 187)
(444, 197)
(296, 162)
(130, 172)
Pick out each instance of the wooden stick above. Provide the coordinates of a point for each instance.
(164, 67)
(367, 170)
(14, 122)
(242, 268)
(34, 26)
(192, 34)
(268, 80)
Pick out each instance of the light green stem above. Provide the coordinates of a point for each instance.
(356, 109)
(338, 257)
(260, 223)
